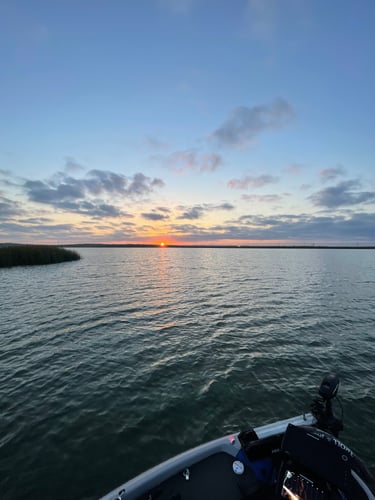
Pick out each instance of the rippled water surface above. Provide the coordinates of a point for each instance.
(110, 364)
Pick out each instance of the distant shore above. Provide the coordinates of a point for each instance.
(34, 255)
(156, 245)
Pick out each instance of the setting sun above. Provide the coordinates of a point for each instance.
(162, 244)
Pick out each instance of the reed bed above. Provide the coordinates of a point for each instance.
(34, 255)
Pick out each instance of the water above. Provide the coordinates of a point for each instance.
(113, 363)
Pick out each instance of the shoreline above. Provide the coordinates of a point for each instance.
(150, 245)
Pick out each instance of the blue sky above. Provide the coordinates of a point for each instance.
(187, 121)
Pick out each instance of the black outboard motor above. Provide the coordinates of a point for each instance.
(321, 407)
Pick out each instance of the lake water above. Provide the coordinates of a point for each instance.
(113, 363)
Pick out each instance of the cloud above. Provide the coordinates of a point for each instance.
(210, 162)
(101, 210)
(5, 172)
(8, 179)
(163, 209)
(63, 233)
(9, 208)
(255, 182)
(262, 198)
(311, 228)
(104, 181)
(141, 185)
(81, 195)
(72, 166)
(193, 213)
(190, 159)
(331, 174)
(95, 208)
(198, 211)
(245, 124)
(34, 229)
(225, 206)
(46, 193)
(190, 233)
(343, 194)
(154, 216)
(292, 229)
(35, 220)
(96, 182)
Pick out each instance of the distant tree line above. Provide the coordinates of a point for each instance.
(33, 255)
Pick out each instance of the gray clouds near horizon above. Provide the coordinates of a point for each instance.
(101, 195)
(346, 193)
(289, 228)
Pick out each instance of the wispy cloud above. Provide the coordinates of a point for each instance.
(346, 193)
(191, 160)
(37, 229)
(249, 181)
(8, 179)
(245, 124)
(331, 174)
(9, 208)
(210, 162)
(225, 206)
(198, 211)
(71, 165)
(164, 209)
(262, 198)
(5, 172)
(154, 216)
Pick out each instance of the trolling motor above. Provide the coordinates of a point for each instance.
(321, 407)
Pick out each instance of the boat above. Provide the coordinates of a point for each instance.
(300, 458)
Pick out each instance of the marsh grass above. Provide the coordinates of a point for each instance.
(33, 255)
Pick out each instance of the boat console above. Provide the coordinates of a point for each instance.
(318, 466)
(315, 464)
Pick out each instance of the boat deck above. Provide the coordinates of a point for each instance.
(210, 479)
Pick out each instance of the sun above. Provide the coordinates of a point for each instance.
(162, 244)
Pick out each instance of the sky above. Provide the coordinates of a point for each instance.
(241, 122)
